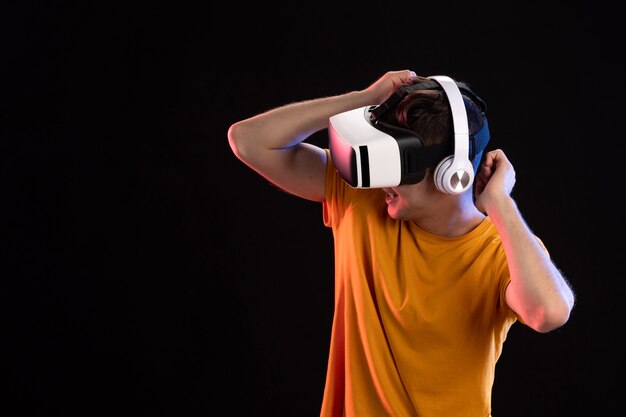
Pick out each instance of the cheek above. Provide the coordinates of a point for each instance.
(416, 197)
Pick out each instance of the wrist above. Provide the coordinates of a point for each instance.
(499, 205)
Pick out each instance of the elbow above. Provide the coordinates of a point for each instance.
(550, 318)
(236, 134)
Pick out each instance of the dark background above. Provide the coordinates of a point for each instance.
(146, 271)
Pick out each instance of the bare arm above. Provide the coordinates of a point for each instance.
(538, 292)
(272, 143)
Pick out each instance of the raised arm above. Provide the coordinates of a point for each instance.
(272, 143)
(538, 292)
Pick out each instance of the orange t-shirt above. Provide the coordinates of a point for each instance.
(419, 319)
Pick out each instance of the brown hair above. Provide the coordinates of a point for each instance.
(427, 113)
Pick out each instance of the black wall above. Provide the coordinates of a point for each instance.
(146, 271)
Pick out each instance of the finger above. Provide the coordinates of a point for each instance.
(486, 169)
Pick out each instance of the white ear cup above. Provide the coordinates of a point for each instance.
(453, 177)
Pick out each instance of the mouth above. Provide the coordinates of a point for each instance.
(390, 195)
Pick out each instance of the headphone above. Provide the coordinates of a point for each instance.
(454, 174)
(368, 152)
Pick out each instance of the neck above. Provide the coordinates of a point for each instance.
(451, 220)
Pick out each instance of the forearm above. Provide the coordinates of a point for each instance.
(286, 126)
(537, 292)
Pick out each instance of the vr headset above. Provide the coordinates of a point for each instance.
(369, 153)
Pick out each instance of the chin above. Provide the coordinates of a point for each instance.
(392, 213)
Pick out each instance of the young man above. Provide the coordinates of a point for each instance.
(427, 282)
